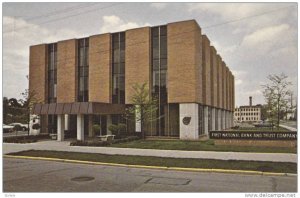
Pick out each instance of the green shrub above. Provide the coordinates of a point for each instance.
(89, 143)
(118, 130)
(96, 128)
(114, 129)
(122, 128)
(103, 143)
(25, 139)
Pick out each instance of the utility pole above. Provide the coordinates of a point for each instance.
(278, 113)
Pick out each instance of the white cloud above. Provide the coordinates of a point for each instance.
(159, 5)
(238, 82)
(228, 10)
(16, 51)
(267, 34)
(114, 23)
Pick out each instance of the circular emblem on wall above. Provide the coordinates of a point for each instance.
(186, 120)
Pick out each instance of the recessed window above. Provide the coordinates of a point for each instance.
(83, 70)
(118, 68)
(52, 72)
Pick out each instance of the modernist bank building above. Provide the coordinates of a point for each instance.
(87, 81)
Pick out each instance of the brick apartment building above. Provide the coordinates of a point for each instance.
(248, 113)
(87, 81)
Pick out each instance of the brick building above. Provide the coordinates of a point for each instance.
(87, 81)
(248, 113)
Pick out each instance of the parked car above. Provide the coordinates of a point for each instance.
(7, 128)
(19, 126)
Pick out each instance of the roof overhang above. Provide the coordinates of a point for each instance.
(78, 108)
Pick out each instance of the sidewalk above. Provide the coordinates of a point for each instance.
(288, 127)
(64, 146)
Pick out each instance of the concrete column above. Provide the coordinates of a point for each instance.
(226, 119)
(66, 122)
(219, 119)
(80, 127)
(188, 119)
(223, 120)
(205, 120)
(91, 132)
(60, 127)
(138, 124)
(213, 119)
(231, 119)
(108, 123)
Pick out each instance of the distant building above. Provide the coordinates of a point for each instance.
(248, 113)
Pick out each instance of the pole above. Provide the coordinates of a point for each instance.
(278, 111)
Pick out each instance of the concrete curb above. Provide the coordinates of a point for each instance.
(248, 172)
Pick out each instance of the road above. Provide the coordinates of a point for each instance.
(23, 175)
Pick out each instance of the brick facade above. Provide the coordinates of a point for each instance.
(195, 74)
(67, 71)
(137, 59)
(214, 76)
(206, 68)
(184, 62)
(38, 72)
(100, 68)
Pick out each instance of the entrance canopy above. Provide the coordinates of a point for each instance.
(78, 108)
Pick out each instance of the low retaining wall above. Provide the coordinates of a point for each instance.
(254, 138)
(264, 143)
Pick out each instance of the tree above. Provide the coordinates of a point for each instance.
(276, 93)
(5, 109)
(29, 99)
(144, 106)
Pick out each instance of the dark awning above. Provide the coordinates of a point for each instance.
(52, 108)
(78, 108)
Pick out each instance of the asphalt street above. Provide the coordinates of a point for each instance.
(23, 175)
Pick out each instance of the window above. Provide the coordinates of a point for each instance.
(52, 72)
(118, 68)
(83, 70)
(159, 64)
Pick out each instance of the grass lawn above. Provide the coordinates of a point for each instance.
(198, 146)
(280, 167)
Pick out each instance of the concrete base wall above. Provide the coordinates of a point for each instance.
(205, 120)
(223, 119)
(80, 127)
(188, 111)
(213, 119)
(60, 127)
(219, 119)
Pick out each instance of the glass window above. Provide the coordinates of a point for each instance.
(52, 72)
(159, 81)
(118, 67)
(163, 64)
(83, 69)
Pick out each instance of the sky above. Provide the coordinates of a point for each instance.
(254, 39)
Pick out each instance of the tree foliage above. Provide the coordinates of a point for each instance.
(19, 110)
(144, 106)
(277, 94)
